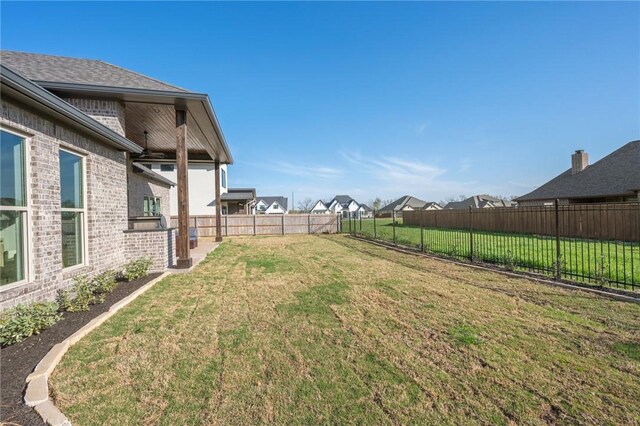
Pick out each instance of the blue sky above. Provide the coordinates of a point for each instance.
(376, 99)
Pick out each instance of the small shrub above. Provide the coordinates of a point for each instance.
(559, 266)
(20, 322)
(137, 268)
(83, 296)
(103, 284)
(510, 262)
(63, 298)
(601, 272)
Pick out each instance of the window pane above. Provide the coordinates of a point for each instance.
(12, 260)
(71, 238)
(147, 210)
(166, 167)
(71, 180)
(12, 191)
(224, 178)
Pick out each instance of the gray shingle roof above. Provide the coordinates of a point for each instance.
(282, 201)
(616, 174)
(479, 202)
(344, 200)
(42, 68)
(402, 202)
(366, 208)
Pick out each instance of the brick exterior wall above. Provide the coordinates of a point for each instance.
(108, 112)
(139, 186)
(106, 204)
(109, 244)
(158, 244)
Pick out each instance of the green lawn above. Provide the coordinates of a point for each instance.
(608, 263)
(330, 330)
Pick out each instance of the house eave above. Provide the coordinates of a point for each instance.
(35, 96)
(150, 174)
(176, 98)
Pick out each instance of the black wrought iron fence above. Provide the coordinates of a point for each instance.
(592, 244)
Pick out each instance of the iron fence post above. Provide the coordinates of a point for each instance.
(393, 222)
(254, 224)
(282, 223)
(421, 232)
(349, 217)
(374, 224)
(558, 255)
(360, 213)
(309, 223)
(470, 234)
(226, 225)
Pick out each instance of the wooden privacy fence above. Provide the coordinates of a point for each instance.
(264, 224)
(612, 221)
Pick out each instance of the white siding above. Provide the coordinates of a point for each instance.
(201, 188)
(275, 208)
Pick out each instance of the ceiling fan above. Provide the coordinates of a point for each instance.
(149, 154)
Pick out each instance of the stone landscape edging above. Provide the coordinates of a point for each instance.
(37, 393)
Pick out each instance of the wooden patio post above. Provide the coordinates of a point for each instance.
(182, 163)
(218, 203)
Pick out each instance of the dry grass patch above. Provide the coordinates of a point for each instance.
(308, 329)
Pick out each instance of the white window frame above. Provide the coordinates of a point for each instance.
(223, 178)
(83, 211)
(155, 200)
(27, 236)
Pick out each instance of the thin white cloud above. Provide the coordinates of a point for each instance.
(323, 172)
(420, 128)
(391, 176)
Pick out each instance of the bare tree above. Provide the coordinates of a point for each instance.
(375, 204)
(305, 205)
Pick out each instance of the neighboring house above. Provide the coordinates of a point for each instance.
(432, 206)
(404, 203)
(75, 195)
(202, 191)
(480, 202)
(272, 205)
(345, 206)
(615, 178)
(238, 201)
(365, 212)
(320, 208)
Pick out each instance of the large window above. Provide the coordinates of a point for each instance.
(152, 206)
(223, 179)
(73, 208)
(13, 209)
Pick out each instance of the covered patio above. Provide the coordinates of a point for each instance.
(238, 201)
(172, 126)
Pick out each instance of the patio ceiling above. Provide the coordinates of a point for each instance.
(154, 111)
(159, 121)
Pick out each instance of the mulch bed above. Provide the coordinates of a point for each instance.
(18, 361)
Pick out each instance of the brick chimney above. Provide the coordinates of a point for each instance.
(579, 161)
